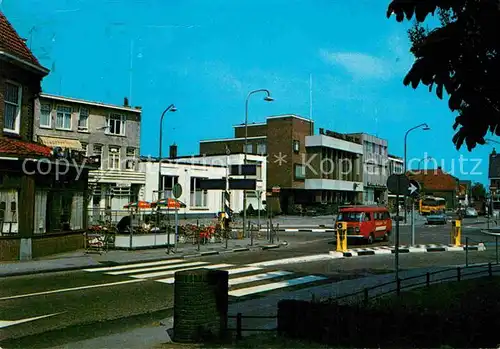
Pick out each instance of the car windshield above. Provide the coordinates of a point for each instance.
(350, 216)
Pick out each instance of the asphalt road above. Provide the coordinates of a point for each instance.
(79, 309)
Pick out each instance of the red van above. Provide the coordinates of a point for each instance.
(366, 222)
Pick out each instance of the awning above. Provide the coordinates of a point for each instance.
(61, 142)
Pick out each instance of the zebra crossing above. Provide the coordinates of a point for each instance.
(244, 280)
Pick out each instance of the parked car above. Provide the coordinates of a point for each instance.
(438, 217)
(470, 212)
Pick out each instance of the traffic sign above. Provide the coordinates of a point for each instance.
(414, 188)
(276, 189)
(398, 184)
(177, 190)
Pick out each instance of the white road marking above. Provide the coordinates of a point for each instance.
(69, 289)
(191, 266)
(130, 266)
(295, 260)
(230, 272)
(258, 277)
(291, 230)
(7, 323)
(276, 285)
(163, 267)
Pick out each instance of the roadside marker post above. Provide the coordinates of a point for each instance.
(342, 237)
(456, 232)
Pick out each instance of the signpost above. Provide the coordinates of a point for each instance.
(177, 192)
(413, 193)
(398, 184)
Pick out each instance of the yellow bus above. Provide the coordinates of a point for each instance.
(430, 204)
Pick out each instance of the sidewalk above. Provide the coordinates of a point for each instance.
(80, 259)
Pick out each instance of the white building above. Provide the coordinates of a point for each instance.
(198, 202)
(375, 162)
(238, 159)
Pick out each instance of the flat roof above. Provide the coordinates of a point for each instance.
(173, 162)
(275, 117)
(231, 139)
(97, 104)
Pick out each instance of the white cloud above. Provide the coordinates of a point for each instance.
(358, 64)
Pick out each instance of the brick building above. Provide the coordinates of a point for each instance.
(41, 212)
(437, 183)
(307, 168)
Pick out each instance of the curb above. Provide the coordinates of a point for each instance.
(384, 250)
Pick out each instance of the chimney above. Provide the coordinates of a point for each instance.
(125, 102)
(173, 151)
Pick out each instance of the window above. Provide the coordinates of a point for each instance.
(63, 119)
(45, 117)
(8, 211)
(85, 149)
(249, 148)
(198, 196)
(300, 172)
(296, 146)
(167, 184)
(114, 158)
(116, 125)
(131, 160)
(261, 149)
(12, 107)
(83, 119)
(97, 151)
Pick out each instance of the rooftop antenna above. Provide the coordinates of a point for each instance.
(376, 122)
(131, 67)
(311, 103)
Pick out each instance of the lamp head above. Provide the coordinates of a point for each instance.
(269, 99)
(426, 127)
(173, 109)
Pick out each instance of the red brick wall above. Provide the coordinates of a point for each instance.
(281, 133)
(53, 244)
(253, 131)
(9, 249)
(30, 88)
(235, 146)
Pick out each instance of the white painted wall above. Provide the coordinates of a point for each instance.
(184, 172)
(332, 184)
(335, 143)
(238, 159)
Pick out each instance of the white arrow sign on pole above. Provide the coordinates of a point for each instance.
(412, 188)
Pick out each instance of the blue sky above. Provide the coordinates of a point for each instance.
(205, 56)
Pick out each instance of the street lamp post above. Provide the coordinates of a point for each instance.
(170, 108)
(268, 98)
(424, 127)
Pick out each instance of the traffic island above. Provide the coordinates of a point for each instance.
(384, 250)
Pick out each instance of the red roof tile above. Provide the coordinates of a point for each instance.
(12, 43)
(434, 179)
(15, 147)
